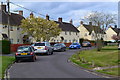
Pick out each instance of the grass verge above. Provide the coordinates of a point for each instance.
(6, 61)
(90, 59)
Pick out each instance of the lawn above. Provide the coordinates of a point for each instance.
(6, 61)
(90, 59)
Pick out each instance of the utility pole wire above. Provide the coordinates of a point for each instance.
(29, 9)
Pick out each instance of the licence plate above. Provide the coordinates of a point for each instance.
(23, 53)
(39, 48)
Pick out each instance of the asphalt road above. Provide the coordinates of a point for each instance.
(50, 66)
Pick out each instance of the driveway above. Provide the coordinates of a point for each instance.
(50, 66)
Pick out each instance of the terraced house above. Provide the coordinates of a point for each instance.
(88, 31)
(69, 32)
(14, 20)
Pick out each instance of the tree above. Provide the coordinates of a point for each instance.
(40, 29)
(102, 20)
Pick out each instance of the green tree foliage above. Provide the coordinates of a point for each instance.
(40, 29)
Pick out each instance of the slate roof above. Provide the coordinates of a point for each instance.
(15, 19)
(67, 26)
(117, 30)
(96, 29)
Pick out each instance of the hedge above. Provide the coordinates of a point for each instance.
(5, 47)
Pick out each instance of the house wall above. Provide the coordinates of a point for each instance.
(109, 34)
(15, 35)
(84, 33)
(69, 37)
(0, 32)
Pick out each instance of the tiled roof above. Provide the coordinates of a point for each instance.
(117, 30)
(67, 26)
(15, 19)
(96, 29)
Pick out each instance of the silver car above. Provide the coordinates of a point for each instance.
(43, 47)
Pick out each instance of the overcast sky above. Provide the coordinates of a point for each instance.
(74, 10)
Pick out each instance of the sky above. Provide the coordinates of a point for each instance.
(70, 9)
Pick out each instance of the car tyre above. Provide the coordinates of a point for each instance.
(33, 59)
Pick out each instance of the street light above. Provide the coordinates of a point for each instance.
(8, 5)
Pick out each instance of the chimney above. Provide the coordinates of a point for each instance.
(21, 12)
(3, 7)
(60, 19)
(71, 22)
(90, 23)
(31, 15)
(47, 17)
(115, 26)
(81, 22)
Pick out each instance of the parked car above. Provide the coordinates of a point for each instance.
(119, 46)
(43, 47)
(86, 44)
(25, 52)
(59, 47)
(75, 46)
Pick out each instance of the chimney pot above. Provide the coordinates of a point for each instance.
(81, 22)
(71, 22)
(90, 23)
(31, 15)
(21, 12)
(60, 19)
(3, 7)
(47, 17)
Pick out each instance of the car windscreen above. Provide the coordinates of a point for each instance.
(21, 49)
(39, 44)
(74, 43)
(56, 44)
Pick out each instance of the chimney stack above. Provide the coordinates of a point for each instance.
(21, 12)
(3, 7)
(60, 19)
(90, 23)
(81, 22)
(31, 15)
(71, 22)
(47, 17)
(115, 26)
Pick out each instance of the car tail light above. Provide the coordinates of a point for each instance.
(46, 48)
(31, 53)
(16, 54)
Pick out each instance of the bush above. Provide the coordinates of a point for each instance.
(5, 46)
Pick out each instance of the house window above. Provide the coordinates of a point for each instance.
(57, 40)
(85, 34)
(70, 33)
(70, 41)
(54, 40)
(11, 40)
(65, 32)
(11, 28)
(76, 33)
(18, 28)
(5, 26)
(18, 40)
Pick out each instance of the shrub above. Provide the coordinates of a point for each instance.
(5, 46)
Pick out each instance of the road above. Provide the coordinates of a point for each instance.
(50, 66)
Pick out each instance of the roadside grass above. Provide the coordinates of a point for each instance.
(0, 67)
(90, 59)
(6, 61)
(111, 71)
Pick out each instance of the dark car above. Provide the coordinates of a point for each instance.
(25, 53)
(75, 46)
(86, 44)
(59, 47)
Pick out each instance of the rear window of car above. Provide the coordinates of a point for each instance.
(21, 49)
(75, 44)
(39, 44)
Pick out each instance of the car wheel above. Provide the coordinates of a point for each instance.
(33, 59)
(48, 53)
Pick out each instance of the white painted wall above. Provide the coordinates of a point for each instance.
(67, 38)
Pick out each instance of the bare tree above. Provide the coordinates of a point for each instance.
(102, 20)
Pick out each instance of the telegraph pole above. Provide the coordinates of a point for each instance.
(8, 5)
